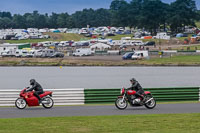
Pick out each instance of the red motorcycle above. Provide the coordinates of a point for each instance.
(28, 98)
(128, 96)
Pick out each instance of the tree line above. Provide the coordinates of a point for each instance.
(151, 15)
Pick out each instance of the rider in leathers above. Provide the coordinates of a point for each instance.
(38, 89)
(137, 87)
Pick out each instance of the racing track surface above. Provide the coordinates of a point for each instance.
(13, 112)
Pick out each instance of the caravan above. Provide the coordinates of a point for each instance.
(82, 52)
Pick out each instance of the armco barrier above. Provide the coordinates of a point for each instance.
(101, 95)
(160, 94)
(81, 96)
(175, 93)
(60, 96)
(199, 93)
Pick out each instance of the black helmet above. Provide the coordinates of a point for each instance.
(32, 81)
(133, 79)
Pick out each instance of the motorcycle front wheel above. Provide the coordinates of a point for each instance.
(20, 103)
(47, 102)
(121, 104)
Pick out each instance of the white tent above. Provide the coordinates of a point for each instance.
(100, 46)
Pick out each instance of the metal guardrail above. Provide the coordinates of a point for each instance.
(80, 96)
(160, 94)
(60, 96)
(101, 95)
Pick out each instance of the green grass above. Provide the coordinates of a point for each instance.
(198, 24)
(185, 48)
(183, 60)
(174, 60)
(54, 37)
(159, 123)
(118, 37)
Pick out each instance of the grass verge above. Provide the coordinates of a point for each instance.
(165, 123)
(54, 37)
(186, 60)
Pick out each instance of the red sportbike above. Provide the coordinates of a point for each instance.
(128, 96)
(28, 98)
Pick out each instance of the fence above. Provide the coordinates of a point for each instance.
(101, 95)
(160, 94)
(60, 96)
(80, 96)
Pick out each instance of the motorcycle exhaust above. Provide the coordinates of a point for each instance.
(148, 100)
(45, 102)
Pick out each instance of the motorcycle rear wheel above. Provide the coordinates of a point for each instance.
(20, 103)
(151, 104)
(121, 104)
(49, 104)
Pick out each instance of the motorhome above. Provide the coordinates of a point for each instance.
(82, 52)
(7, 53)
(21, 53)
(162, 35)
(140, 55)
(47, 52)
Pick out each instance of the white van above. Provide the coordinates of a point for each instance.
(140, 55)
(21, 53)
(82, 52)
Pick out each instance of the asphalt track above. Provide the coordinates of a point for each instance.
(87, 110)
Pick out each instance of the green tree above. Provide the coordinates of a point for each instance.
(62, 20)
(53, 20)
(5, 23)
(182, 13)
(119, 10)
(18, 21)
(5, 14)
(152, 15)
(102, 17)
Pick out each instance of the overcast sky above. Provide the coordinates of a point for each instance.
(57, 6)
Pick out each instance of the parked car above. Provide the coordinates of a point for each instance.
(150, 43)
(127, 55)
(57, 54)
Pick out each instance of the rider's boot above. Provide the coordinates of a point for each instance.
(143, 98)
